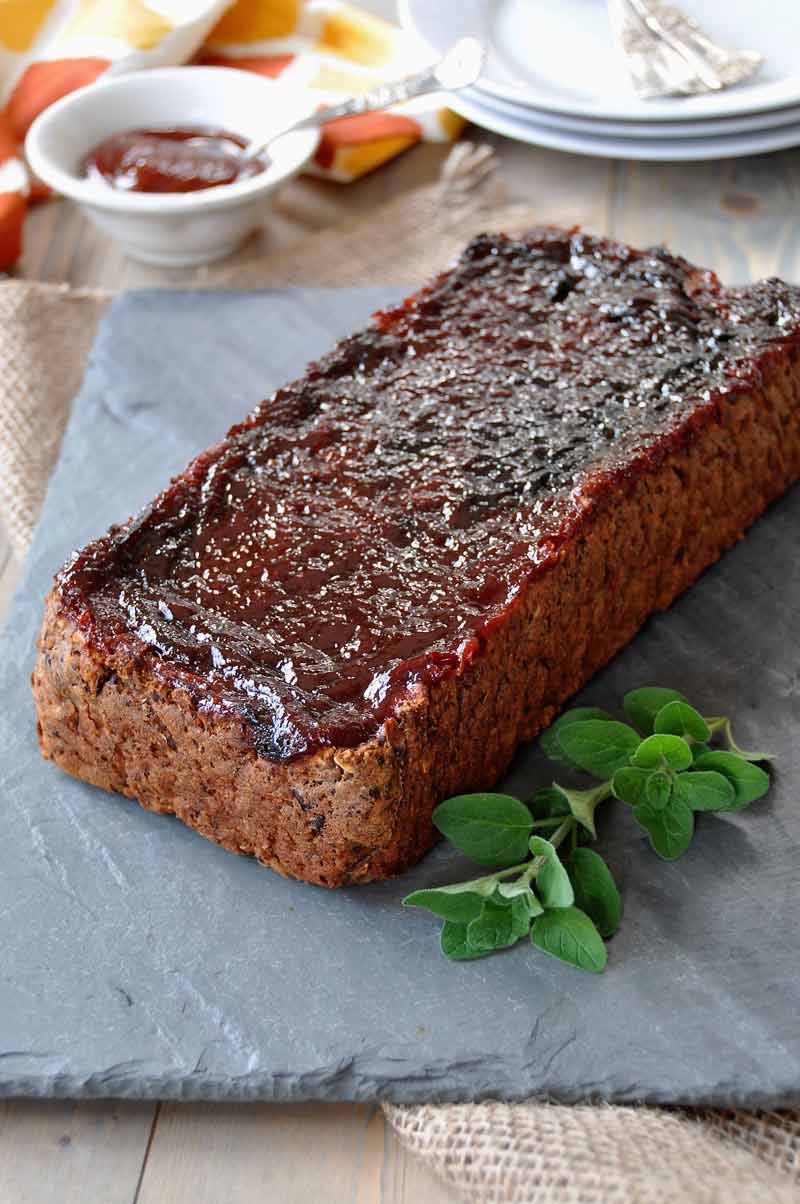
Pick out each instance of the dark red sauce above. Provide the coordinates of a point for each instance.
(371, 523)
(171, 159)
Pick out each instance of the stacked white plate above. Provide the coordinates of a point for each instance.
(555, 78)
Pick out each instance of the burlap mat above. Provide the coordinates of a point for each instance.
(490, 1152)
(595, 1154)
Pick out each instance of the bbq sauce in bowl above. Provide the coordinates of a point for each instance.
(163, 159)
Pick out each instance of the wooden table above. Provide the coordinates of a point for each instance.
(739, 217)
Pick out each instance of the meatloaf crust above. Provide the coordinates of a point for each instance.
(336, 793)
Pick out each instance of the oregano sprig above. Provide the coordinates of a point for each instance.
(536, 896)
(545, 883)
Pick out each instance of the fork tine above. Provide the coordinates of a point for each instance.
(668, 54)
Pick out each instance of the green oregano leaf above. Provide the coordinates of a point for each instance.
(656, 751)
(454, 944)
(512, 891)
(456, 903)
(630, 785)
(568, 934)
(748, 780)
(523, 909)
(599, 746)
(705, 790)
(679, 719)
(550, 739)
(529, 907)
(670, 830)
(582, 803)
(699, 749)
(658, 790)
(552, 881)
(497, 927)
(641, 706)
(595, 890)
(492, 829)
(549, 802)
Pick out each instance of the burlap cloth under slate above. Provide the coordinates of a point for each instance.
(548, 1154)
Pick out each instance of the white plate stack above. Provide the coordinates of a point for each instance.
(554, 77)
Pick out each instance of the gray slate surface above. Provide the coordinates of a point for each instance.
(139, 960)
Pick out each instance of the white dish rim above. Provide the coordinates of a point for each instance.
(687, 130)
(777, 94)
(679, 150)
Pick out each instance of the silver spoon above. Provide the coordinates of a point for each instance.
(460, 67)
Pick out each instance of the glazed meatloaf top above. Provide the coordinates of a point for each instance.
(368, 525)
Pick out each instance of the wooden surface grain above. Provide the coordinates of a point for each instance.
(132, 1153)
(739, 217)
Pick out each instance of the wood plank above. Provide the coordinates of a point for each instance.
(295, 1153)
(561, 189)
(67, 1153)
(737, 215)
(408, 1180)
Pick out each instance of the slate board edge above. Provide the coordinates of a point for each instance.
(354, 1079)
(346, 1084)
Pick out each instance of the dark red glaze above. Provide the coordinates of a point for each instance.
(171, 159)
(371, 523)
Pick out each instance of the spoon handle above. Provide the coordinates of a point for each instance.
(377, 98)
(459, 67)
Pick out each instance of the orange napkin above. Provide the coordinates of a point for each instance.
(50, 47)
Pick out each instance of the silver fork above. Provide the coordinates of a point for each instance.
(669, 55)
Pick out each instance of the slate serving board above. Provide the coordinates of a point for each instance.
(139, 960)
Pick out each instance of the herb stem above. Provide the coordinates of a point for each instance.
(529, 873)
(561, 832)
(509, 872)
(552, 822)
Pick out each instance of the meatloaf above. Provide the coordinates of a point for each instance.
(401, 565)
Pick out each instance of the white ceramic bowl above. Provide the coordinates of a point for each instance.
(171, 229)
